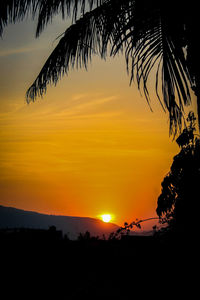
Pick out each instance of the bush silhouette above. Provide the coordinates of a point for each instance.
(177, 203)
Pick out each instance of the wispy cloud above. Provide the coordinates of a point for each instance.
(78, 106)
(92, 103)
(15, 51)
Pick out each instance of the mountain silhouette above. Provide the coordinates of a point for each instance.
(72, 226)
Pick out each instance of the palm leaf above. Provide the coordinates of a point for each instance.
(12, 11)
(151, 43)
(47, 9)
(90, 35)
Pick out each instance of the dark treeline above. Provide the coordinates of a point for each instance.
(46, 262)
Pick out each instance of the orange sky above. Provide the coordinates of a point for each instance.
(90, 146)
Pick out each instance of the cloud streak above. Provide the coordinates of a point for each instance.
(17, 51)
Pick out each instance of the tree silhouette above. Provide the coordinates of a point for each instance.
(177, 203)
(153, 34)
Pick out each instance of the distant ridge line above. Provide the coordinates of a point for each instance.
(11, 217)
(46, 214)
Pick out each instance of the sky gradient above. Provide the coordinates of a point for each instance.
(90, 146)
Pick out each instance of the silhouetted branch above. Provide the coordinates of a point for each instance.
(127, 228)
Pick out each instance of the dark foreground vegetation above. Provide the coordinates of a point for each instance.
(43, 263)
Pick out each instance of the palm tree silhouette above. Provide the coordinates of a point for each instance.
(156, 37)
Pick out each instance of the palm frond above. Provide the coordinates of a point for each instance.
(67, 8)
(151, 44)
(12, 11)
(175, 77)
(90, 35)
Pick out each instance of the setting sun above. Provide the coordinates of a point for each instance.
(106, 218)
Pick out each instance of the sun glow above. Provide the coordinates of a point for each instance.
(106, 218)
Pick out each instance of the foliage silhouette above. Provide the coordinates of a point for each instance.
(177, 203)
(152, 34)
(87, 237)
(125, 230)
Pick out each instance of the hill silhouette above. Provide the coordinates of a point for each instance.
(71, 226)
